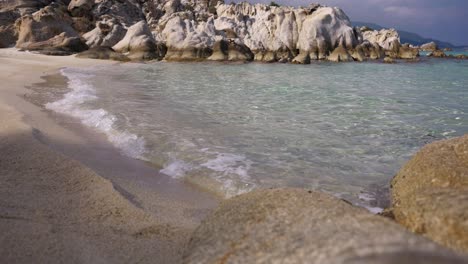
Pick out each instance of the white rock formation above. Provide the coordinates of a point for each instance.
(385, 38)
(107, 33)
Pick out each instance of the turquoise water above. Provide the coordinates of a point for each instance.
(341, 128)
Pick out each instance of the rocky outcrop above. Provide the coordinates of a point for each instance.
(204, 29)
(430, 193)
(8, 34)
(230, 51)
(43, 25)
(60, 45)
(340, 54)
(107, 33)
(300, 226)
(437, 54)
(79, 8)
(431, 46)
(407, 52)
(385, 38)
(138, 42)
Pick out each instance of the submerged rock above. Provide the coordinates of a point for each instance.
(430, 193)
(300, 226)
(388, 60)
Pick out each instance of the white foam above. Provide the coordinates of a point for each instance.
(82, 91)
(176, 169)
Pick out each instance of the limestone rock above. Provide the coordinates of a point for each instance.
(188, 39)
(8, 33)
(302, 58)
(437, 54)
(429, 194)
(126, 12)
(388, 60)
(340, 54)
(407, 52)
(43, 25)
(300, 226)
(107, 33)
(23, 7)
(60, 45)
(102, 53)
(431, 46)
(323, 31)
(139, 42)
(358, 53)
(385, 38)
(230, 51)
(79, 8)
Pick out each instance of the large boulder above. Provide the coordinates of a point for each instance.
(107, 33)
(430, 193)
(188, 39)
(60, 45)
(385, 38)
(138, 42)
(300, 226)
(431, 46)
(43, 25)
(324, 30)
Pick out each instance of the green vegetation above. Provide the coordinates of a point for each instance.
(273, 3)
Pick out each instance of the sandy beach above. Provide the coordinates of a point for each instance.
(69, 196)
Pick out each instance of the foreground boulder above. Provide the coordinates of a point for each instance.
(430, 193)
(300, 226)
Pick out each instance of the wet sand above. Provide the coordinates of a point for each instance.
(67, 195)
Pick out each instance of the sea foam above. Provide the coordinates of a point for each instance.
(74, 104)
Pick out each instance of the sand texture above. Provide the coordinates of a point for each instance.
(53, 209)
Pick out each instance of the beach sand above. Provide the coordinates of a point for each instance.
(67, 195)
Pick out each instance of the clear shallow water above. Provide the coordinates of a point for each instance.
(339, 128)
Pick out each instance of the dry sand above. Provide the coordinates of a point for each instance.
(67, 196)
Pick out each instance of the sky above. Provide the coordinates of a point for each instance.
(445, 20)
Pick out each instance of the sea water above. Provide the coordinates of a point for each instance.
(345, 128)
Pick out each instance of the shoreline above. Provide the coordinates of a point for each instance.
(167, 210)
